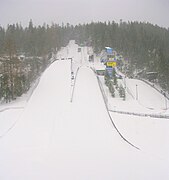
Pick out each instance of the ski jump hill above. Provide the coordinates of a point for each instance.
(58, 139)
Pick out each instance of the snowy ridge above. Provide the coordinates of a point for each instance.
(9, 108)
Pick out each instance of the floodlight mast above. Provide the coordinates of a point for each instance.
(71, 67)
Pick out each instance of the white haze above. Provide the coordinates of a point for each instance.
(82, 11)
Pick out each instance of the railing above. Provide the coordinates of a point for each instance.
(106, 104)
(141, 114)
(159, 90)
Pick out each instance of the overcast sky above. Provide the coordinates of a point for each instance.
(82, 11)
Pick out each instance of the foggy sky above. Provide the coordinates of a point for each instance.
(83, 11)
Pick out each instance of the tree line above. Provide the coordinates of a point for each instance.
(143, 45)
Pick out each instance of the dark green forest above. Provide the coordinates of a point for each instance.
(143, 45)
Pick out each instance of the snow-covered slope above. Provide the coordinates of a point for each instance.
(58, 139)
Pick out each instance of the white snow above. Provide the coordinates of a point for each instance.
(54, 138)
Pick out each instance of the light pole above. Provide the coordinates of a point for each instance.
(165, 98)
(136, 92)
(71, 64)
(124, 81)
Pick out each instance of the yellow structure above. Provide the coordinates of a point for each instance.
(111, 64)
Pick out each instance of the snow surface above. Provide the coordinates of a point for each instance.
(54, 138)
